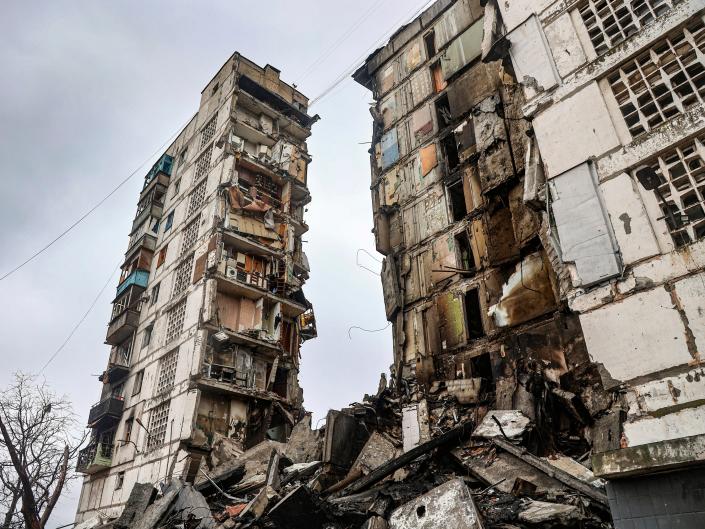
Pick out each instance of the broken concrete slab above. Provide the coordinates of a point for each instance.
(91, 523)
(377, 451)
(304, 445)
(376, 522)
(449, 506)
(512, 424)
(159, 508)
(297, 510)
(191, 507)
(538, 512)
(141, 495)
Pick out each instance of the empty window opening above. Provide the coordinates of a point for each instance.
(421, 511)
(458, 209)
(147, 336)
(466, 259)
(473, 314)
(137, 385)
(443, 111)
(119, 480)
(450, 148)
(430, 42)
(664, 81)
(681, 190)
(609, 22)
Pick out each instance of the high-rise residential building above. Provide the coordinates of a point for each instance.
(209, 313)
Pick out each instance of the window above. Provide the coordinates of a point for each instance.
(208, 131)
(450, 148)
(190, 234)
(197, 197)
(182, 276)
(137, 386)
(147, 336)
(175, 321)
(473, 314)
(167, 372)
(457, 201)
(155, 294)
(177, 186)
(157, 425)
(681, 191)
(127, 435)
(120, 305)
(664, 81)
(119, 480)
(155, 226)
(118, 390)
(466, 259)
(169, 222)
(215, 88)
(203, 164)
(443, 111)
(609, 22)
(162, 256)
(430, 41)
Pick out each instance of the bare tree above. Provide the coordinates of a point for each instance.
(37, 447)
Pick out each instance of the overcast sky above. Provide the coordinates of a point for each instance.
(89, 89)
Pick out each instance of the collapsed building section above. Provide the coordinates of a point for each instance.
(209, 314)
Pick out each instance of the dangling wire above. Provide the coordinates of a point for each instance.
(357, 261)
(366, 330)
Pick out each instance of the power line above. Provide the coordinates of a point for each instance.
(341, 39)
(90, 211)
(75, 328)
(354, 65)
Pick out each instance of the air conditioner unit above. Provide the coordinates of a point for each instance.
(237, 142)
(231, 272)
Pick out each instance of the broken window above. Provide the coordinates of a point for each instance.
(457, 201)
(162, 256)
(147, 335)
(167, 371)
(664, 81)
(158, 419)
(154, 296)
(430, 42)
(182, 276)
(609, 22)
(473, 314)
(137, 386)
(465, 257)
(450, 148)
(169, 222)
(208, 131)
(128, 431)
(119, 480)
(443, 111)
(439, 83)
(175, 321)
(681, 191)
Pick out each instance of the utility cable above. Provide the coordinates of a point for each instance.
(355, 64)
(75, 328)
(366, 330)
(90, 211)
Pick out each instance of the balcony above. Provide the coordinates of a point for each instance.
(94, 458)
(163, 166)
(138, 278)
(122, 326)
(107, 411)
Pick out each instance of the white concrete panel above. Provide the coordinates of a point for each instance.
(630, 223)
(565, 45)
(514, 12)
(691, 293)
(678, 390)
(641, 335)
(531, 58)
(684, 423)
(574, 130)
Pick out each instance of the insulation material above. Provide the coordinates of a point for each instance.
(500, 243)
(412, 57)
(471, 188)
(390, 287)
(445, 261)
(584, 231)
(421, 86)
(390, 148)
(429, 159)
(422, 123)
(237, 314)
(526, 222)
(463, 50)
(465, 139)
(426, 217)
(390, 109)
(527, 293)
(386, 78)
(471, 88)
(252, 226)
(451, 320)
(413, 336)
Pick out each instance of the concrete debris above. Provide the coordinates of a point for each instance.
(542, 512)
(510, 424)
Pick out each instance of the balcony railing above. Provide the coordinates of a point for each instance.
(94, 458)
(138, 278)
(122, 326)
(163, 165)
(107, 410)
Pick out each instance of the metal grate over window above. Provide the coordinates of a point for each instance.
(198, 195)
(175, 321)
(609, 22)
(203, 164)
(158, 419)
(207, 133)
(189, 236)
(182, 276)
(663, 81)
(167, 371)
(681, 171)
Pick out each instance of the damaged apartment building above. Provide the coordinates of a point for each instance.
(538, 185)
(209, 314)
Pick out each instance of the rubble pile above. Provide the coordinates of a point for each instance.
(370, 467)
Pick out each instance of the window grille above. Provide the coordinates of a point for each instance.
(158, 419)
(175, 321)
(167, 371)
(663, 81)
(197, 197)
(208, 132)
(203, 164)
(609, 22)
(182, 276)
(682, 174)
(190, 234)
